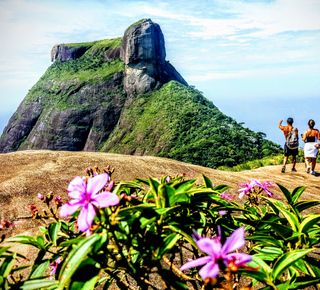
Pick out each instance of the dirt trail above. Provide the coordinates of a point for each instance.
(25, 173)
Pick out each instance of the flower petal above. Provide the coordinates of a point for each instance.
(197, 262)
(69, 208)
(238, 259)
(86, 217)
(76, 187)
(105, 199)
(95, 184)
(210, 246)
(241, 195)
(210, 270)
(234, 242)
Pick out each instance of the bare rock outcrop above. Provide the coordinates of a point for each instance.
(143, 52)
(64, 52)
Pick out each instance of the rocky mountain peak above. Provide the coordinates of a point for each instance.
(143, 52)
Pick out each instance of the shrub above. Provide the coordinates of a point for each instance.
(138, 228)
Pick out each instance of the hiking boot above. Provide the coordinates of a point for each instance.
(312, 172)
(308, 169)
(283, 170)
(293, 170)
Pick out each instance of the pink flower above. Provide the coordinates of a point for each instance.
(266, 185)
(86, 194)
(57, 200)
(53, 266)
(226, 196)
(40, 196)
(247, 187)
(218, 254)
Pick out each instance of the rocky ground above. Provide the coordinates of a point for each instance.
(23, 174)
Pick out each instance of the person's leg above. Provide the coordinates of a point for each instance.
(294, 161)
(283, 169)
(313, 166)
(285, 160)
(308, 164)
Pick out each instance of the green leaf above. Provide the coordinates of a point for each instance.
(144, 181)
(3, 250)
(154, 184)
(85, 276)
(302, 205)
(300, 266)
(221, 188)
(184, 234)
(281, 230)
(291, 218)
(145, 222)
(182, 198)
(283, 286)
(261, 274)
(303, 282)
(270, 251)
(167, 244)
(286, 193)
(40, 240)
(39, 270)
(207, 182)
(53, 231)
(167, 195)
(75, 258)
(26, 240)
(184, 185)
(6, 265)
(308, 222)
(38, 284)
(128, 185)
(265, 240)
(296, 193)
(285, 261)
(71, 242)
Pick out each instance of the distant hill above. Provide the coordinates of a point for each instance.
(122, 96)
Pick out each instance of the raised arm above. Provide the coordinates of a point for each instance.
(280, 125)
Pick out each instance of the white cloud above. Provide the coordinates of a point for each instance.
(250, 73)
(267, 18)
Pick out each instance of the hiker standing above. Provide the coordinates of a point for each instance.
(310, 137)
(291, 145)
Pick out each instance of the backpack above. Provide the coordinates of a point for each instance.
(292, 139)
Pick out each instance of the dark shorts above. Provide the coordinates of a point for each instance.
(290, 152)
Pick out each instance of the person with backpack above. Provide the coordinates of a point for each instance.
(291, 145)
(311, 138)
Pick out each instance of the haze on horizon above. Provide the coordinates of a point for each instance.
(257, 60)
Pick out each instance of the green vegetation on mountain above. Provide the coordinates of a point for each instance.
(179, 123)
(121, 95)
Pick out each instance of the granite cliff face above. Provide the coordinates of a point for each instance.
(78, 102)
(143, 52)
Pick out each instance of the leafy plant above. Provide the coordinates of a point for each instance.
(152, 226)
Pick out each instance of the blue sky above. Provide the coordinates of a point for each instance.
(257, 61)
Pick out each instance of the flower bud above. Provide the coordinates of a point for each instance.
(110, 185)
